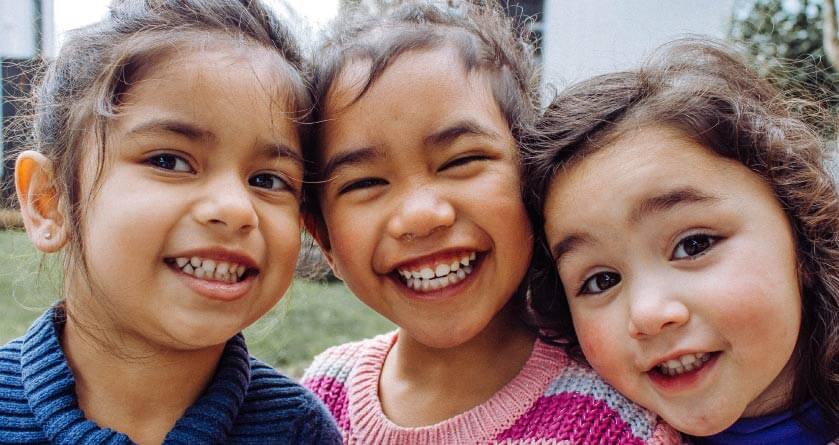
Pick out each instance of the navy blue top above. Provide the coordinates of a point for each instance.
(247, 402)
(778, 429)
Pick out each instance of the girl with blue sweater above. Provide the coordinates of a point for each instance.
(165, 164)
(692, 246)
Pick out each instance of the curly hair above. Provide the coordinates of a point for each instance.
(703, 89)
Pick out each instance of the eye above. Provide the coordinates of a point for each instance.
(693, 246)
(600, 282)
(268, 181)
(361, 184)
(169, 161)
(463, 160)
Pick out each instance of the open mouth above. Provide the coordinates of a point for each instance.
(684, 364)
(212, 270)
(440, 274)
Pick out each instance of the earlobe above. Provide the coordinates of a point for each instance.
(39, 201)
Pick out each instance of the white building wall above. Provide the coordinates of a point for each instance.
(588, 37)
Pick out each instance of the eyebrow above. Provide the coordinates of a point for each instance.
(461, 128)
(655, 204)
(181, 128)
(279, 151)
(350, 157)
(666, 201)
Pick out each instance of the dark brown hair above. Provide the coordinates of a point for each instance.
(485, 36)
(78, 94)
(703, 89)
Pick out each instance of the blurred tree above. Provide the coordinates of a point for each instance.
(793, 44)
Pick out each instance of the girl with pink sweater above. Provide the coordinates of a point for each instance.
(416, 202)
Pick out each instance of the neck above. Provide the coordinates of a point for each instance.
(421, 385)
(129, 386)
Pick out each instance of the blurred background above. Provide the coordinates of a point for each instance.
(794, 43)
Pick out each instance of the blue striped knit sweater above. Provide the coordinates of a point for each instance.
(246, 402)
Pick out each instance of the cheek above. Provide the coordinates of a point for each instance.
(600, 346)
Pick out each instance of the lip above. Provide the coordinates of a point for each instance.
(218, 290)
(431, 258)
(686, 381)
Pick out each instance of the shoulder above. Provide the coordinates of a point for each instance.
(17, 422)
(580, 396)
(277, 409)
(334, 365)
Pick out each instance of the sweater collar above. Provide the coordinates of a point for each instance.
(49, 385)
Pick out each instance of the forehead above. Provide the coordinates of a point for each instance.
(416, 93)
(227, 88)
(610, 183)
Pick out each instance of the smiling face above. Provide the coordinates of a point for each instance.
(423, 206)
(680, 272)
(193, 229)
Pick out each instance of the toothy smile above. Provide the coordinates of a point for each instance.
(683, 364)
(438, 275)
(212, 270)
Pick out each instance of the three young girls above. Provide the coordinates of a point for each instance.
(416, 203)
(166, 164)
(694, 232)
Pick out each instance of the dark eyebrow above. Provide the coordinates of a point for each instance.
(666, 201)
(282, 151)
(184, 129)
(350, 157)
(569, 243)
(461, 128)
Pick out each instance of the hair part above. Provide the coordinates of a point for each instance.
(705, 90)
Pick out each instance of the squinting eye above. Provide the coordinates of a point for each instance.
(168, 161)
(462, 161)
(268, 181)
(600, 282)
(361, 184)
(693, 246)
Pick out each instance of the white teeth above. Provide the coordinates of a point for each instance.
(211, 269)
(472, 256)
(415, 274)
(685, 363)
(454, 266)
(464, 261)
(461, 274)
(442, 270)
(427, 273)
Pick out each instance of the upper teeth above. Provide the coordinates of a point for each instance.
(685, 363)
(436, 276)
(211, 269)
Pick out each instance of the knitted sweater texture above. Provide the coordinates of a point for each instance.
(247, 402)
(553, 400)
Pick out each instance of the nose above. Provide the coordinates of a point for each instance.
(419, 213)
(227, 206)
(655, 306)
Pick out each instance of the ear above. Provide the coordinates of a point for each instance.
(317, 228)
(39, 201)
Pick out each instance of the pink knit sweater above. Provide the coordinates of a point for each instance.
(553, 400)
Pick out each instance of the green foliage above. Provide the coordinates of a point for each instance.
(311, 316)
(784, 40)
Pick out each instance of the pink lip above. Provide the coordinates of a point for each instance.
(682, 382)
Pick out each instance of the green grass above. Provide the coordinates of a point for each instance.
(311, 316)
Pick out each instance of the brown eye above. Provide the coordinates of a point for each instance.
(693, 246)
(600, 282)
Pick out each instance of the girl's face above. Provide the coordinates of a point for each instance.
(193, 229)
(680, 271)
(422, 204)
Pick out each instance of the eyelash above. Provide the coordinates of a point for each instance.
(463, 160)
(283, 183)
(157, 160)
(361, 184)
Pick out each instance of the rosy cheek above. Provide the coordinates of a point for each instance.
(593, 341)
